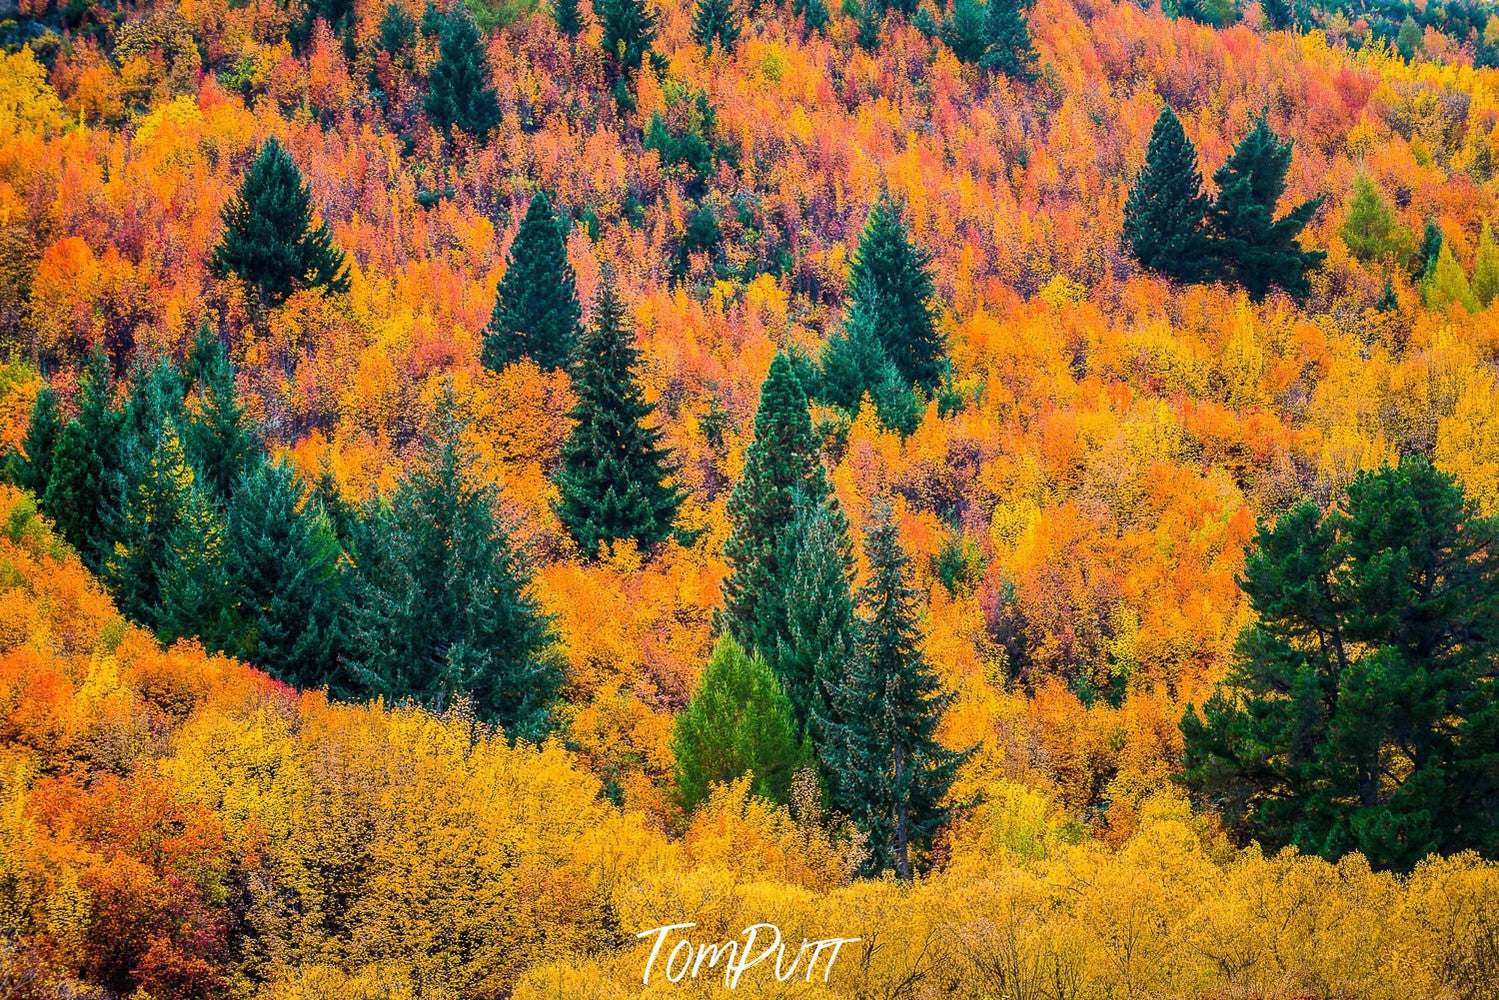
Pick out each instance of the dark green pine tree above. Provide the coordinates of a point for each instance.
(738, 722)
(891, 282)
(1279, 14)
(854, 365)
(820, 628)
(966, 30)
(629, 29)
(1360, 713)
(31, 467)
(569, 17)
(83, 491)
(814, 13)
(442, 611)
(1425, 261)
(879, 747)
(782, 468)
(218, 438)
(460, 93)
(285, 571)
(612, 483)
(1165, 216)
(536, 312)
(269, 241)
(1008, 37)
(716, 22)
(1259, 250)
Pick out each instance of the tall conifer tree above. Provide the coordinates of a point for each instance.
(1008, 47)
(270, 242)
(716, 22)
(629, 29)
(820, 628)
(612, 483)
(460, 93)
(1165, 216)
(536, 312)
(31, 467)
(880, 750)
(891, 282)
(83, 491)
(217, 436)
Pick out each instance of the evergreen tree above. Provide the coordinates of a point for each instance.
(285, 572)
(814, 13)
(460, 94)
(612, 483)
(569, 17)
(891, 281)
(1259, 250)
(966, 30)
(1360, 711)
(1485, 283)
(1166, 212)
(1409, 39)
(441, 604)
(820, 629)
(83, 491)
(1447, 285)
(716, 21)
(1279, 14)
(218, 438)
(738, 722)
(31, 467)
(536, 312)
(887, 770)
(869, 17)
(1370, 225)
(854, 365)
(629, 29)
(1008, 37)
(269, 240)
(1431, 248)
(782, 467)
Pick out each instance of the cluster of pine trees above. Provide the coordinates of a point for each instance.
(1173, 228)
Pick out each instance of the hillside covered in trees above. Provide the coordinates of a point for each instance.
(1017, 484)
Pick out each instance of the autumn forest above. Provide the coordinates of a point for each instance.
(1011, 482)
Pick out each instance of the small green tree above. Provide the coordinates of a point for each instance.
(854, 365)
(738, 722)
(1447, 285)
(629, 29)
(1410, 38)
(1431, 248)
(218, 438)
(1360, 711)
(270, 242)
(1485, 282)
(891, 282)
(1165, 216)
(613, 481)
(460, 93)
(1008, 37)
(716, 22)
(1370, 227)
(84, 488)
(965, 30)
(569, 17)
(536, 311)
(820, 628)
(879, 746)
(1258, 250)
(1279, 14)
(31, 467)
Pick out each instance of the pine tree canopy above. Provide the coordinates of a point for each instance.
(270, 242)
(629, 29)
(612, 483)
(1258, 250)
(569, 17)
(716, 22)
(84, 488)
(536, 311)
(1360, 713)
(782, 467)
(1007, 37)
(738, 722)
(820, 627)
(218, 438)
(1166, 213)
(31, 467)
(460, 92)
(891, 281)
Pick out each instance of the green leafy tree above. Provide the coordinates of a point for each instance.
(1410, 38)
(1447, 285)
(1165, 215)
(441, 607)
(1258, 250)
(536, 312)
(891, 282)
(782, 468)
(879, 746)
(270, 242)
(569, 17)
(1485, 282)
(1008, 37)
(218, 438)
(629, 29)
(285, 570)
(31, 467)
(1360, 711)
(738, 722)
(613, 481)
(460, 93)
(820, 627)
(716, 22)
(1370, 229)
(83, 490)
